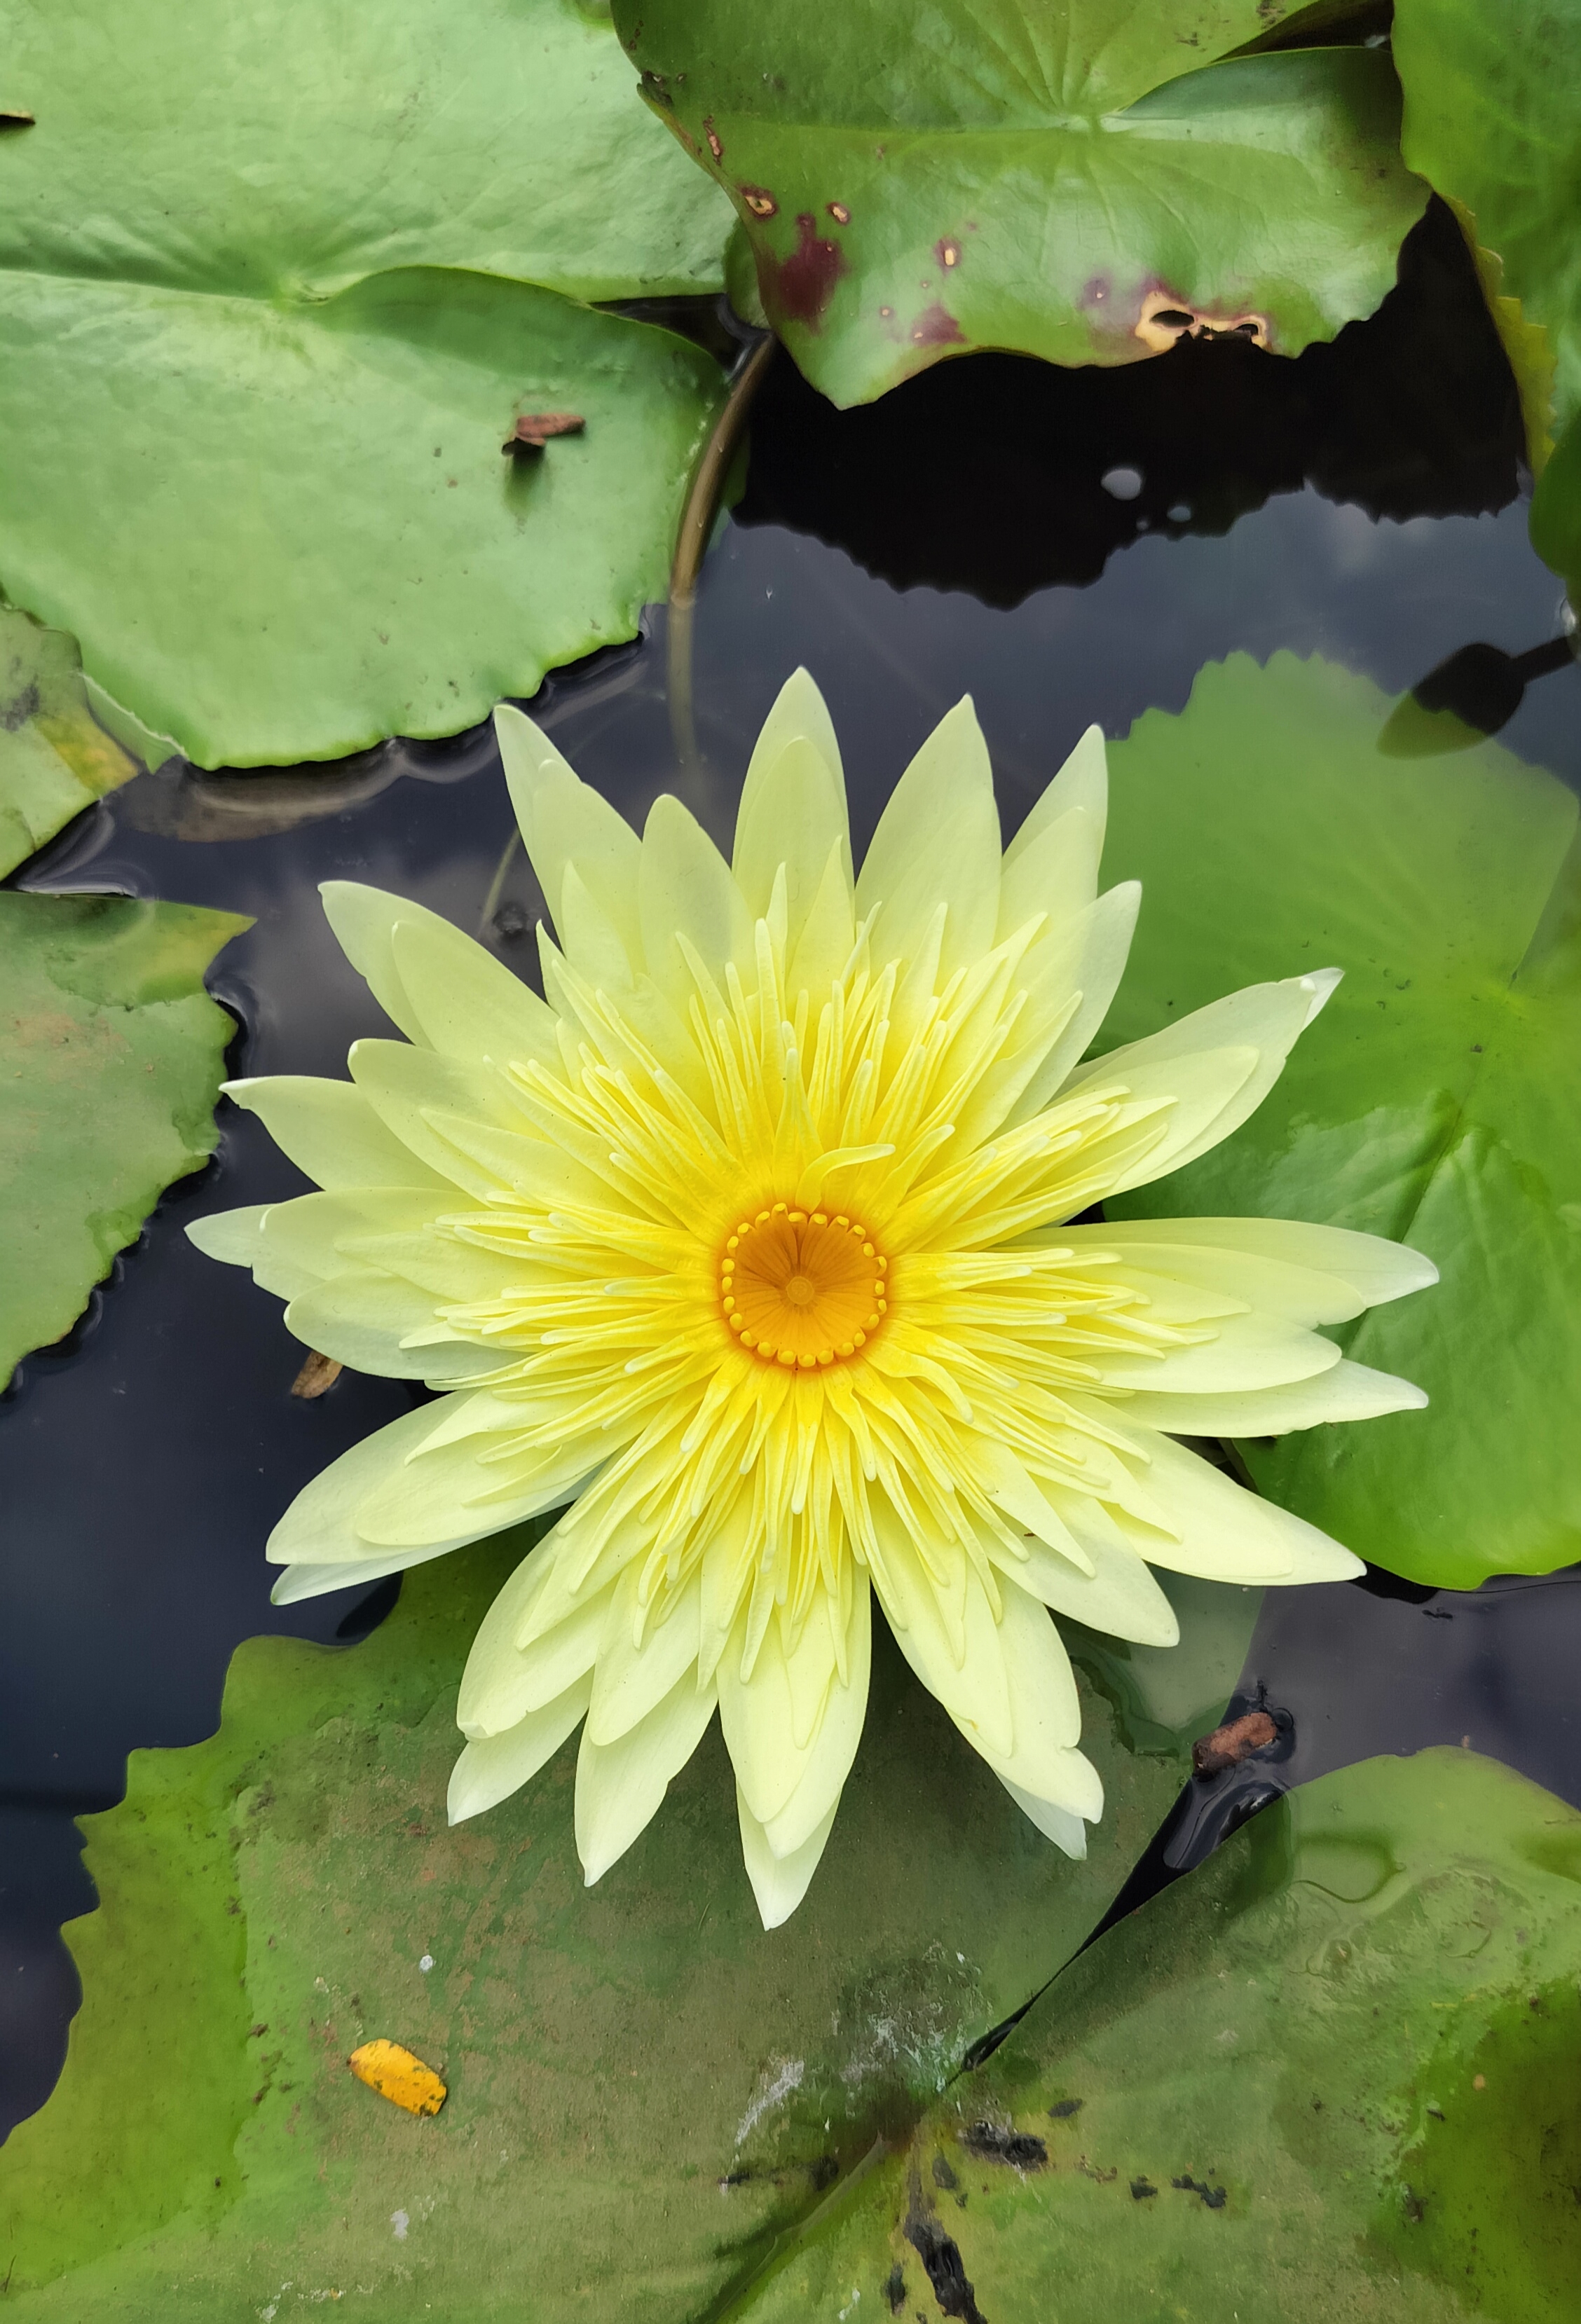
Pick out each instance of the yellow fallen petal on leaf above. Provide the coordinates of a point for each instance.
(398, 2076)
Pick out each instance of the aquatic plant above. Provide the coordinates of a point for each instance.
(755, 1242)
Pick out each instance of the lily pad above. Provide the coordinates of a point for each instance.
(643, 2086)
(111, 1057)
(1331, 2073)
(1434, 1100)
(259, 359)
(1490, 120)
(1061, 182)
(54, 760)
(341, 552)
(292, 147)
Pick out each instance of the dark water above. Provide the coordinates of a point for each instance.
(1364, 502)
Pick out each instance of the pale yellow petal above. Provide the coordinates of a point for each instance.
(564, 821)
(621, 1784)
(1120, 1596)
(792, 816)
(502, 1684)
(799, 714)
(937, 843)
(319, 1527)
(633, 1678)
(685, 890)
(330, 1131)
(469, 1005)
(1315, 1275)
(1262, 1020)
(973, 1688)
(1347, 1392)
(1066, 1830)
(779, 1883)
(1082, 784)
(363, 921)
(832, 1747)
(231, 1236)
(492, 1768)
(361, 1317)
(1226, 1533)
(1055, 874)
(1245, 1351)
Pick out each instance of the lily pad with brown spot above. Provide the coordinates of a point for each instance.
(1044, 179)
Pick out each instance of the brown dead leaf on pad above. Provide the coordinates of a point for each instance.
(533, 429)
(396, 2075)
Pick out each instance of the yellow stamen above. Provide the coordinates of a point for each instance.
(803, 1290)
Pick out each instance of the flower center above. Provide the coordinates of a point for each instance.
(802, 1288)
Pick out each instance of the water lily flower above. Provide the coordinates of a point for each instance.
(750, 1246)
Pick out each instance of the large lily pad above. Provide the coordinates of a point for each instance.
(1492, 120)
(257, 369)
(289, 147)
(315, 540)
(54, 759)
(1050, 180)
(1331, 2074)
(1435, 1099)
(642, 2085)
(111, 1056)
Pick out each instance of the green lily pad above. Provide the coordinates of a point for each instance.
(341, 552)
(1492, 121)
(1435, 1100)
(54, 760)
(1330, 2074)
(290, 148)
(259, 359)
(1064, 183)
(111, 1057)
(643, 2086)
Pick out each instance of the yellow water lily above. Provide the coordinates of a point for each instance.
(749, 1242)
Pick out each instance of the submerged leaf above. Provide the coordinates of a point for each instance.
(111, 1056)
(1436, 1099)
(1065, 182)
(642, 2085)
(1329, 2074)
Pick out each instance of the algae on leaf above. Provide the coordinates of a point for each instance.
(1436, 1099)
(273, 294)
(1331, 2073)
(1079, 183)
(111, 1056)
(54, 761)
(642, 2087)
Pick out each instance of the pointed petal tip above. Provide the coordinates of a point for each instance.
(1319, 985)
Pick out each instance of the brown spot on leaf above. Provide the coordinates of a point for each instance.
(798, 288)
(760, 201)
(715, 148)
(533, 429)
(936, 327)
(1227, 1747)
(948, 253)
(840, 213)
